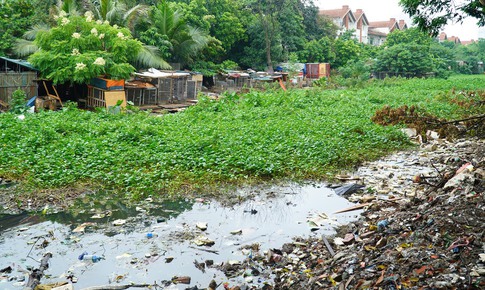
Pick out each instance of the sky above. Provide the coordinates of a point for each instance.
(380, 10)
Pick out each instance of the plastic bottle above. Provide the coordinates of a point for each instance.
(93, 258)
(150, 235)
(381, 225)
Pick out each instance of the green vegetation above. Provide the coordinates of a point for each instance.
(299, 134)
(79, 49)
(17, 102)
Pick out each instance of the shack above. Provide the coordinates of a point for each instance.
(141, 93)
(106, 93)
(171, 86)
(317, 70)
(17, 74)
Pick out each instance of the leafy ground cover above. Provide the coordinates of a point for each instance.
(298, 134)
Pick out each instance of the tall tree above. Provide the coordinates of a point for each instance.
(267, 12)
(78, 49)
(432, 15)
(317, 51)
(291, 24)
(407, 59)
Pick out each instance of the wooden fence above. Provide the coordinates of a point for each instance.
(11, 81)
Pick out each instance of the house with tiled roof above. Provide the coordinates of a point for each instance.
(362, 26)
(386, 26)
(454, 39)
(374, 33)
(442, 37)
(402, 25)
(342, 17)
(468, 42)
(376, 37)
(378, 30)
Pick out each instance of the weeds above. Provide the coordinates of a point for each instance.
(297, 134)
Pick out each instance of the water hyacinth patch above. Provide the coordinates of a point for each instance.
(299, 134)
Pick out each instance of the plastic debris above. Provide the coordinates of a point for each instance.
(91, 258)
(82, 227)
(382, 225)
(203, 241)
(181, 280)
(201, 226)
(348, 189)
(119, 222)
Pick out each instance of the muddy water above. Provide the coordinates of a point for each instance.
(271, 218)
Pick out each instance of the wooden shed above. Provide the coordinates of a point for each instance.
(15, 74)
(317, 70)
(171, 86)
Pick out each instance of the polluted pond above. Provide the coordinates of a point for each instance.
(412, 220)
(184, 244)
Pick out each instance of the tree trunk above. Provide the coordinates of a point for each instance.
(267, 39)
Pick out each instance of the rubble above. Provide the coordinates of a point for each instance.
(422, 228)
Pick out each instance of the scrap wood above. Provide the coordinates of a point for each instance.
(36, 274)
(380, 279)
(282, 85)
(56, 96)
(3, 104)
(355, 207)
(346, 177)
(206, 250)
(362, 205)
(462, 120)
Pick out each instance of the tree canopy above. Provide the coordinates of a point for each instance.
(80, 48)
(432, 15)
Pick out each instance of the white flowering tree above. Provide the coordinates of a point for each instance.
(80, 48)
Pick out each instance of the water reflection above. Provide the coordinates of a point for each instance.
(274, 216)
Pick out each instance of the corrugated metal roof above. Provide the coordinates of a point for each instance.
(21, 62)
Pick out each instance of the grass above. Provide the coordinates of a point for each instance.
(299, 134)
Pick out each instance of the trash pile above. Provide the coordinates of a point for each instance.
(422, 228)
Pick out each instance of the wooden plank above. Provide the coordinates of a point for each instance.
(362, 205)
(3, 104)
(355, 207)
(112, 98)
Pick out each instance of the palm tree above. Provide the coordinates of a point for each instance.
(181, 40)
(117, 12)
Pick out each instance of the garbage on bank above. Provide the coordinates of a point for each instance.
(416, 233)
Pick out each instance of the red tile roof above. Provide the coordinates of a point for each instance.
(467, 42)
(360, 14)
(335, 13)
(402, 24)
(391, 24)
(376, 32)
(454, 39)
